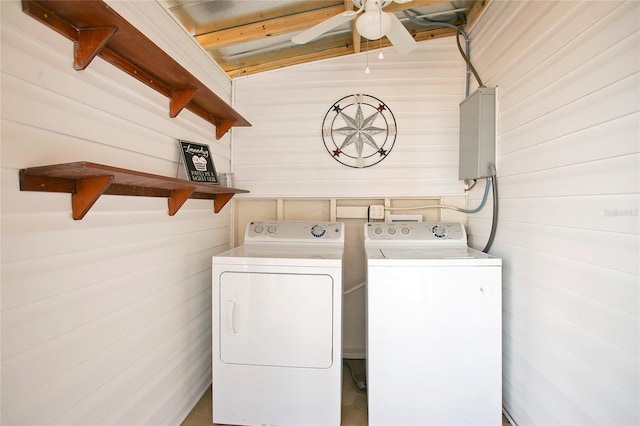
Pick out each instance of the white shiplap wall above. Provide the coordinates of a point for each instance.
(282, 154)
(105, 320)
(568, 164)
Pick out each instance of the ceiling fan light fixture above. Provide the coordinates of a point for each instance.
(373, 25)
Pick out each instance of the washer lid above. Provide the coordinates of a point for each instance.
(407, 256)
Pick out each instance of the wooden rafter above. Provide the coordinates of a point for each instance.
(476, 11)
(256, 30)
(271, 27)
(270, 61)
(274, 9)
(236, 38)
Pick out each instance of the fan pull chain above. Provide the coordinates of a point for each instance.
(367, 70)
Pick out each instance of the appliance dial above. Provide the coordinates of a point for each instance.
(378, 231)
(258, 229)
(405, 231)
(439, 231)
(272, 229)
(318, 231)
(392, 231)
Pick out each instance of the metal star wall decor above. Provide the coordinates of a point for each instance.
(359, 131)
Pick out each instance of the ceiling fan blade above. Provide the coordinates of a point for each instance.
(324, 26)
(399, 36)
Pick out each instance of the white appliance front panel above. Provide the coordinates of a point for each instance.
(276, 319)
(434, 345)
(247, 394)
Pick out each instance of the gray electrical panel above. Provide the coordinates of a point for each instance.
(477, 134)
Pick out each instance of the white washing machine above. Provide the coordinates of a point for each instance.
(277, 326)
(434, 327)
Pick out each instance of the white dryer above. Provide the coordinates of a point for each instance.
(434, 327)
(277, 326)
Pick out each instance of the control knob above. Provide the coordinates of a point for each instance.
(318, 231)
(439, 231)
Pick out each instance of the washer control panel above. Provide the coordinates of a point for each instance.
(430, 233)
(279, 231)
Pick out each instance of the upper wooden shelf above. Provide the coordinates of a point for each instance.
(86, 182)
(97, 30)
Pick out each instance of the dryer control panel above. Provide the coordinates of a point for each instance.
(419, 233)
(297, 232)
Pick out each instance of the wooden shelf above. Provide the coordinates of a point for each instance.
(97, 30)
(86, 182)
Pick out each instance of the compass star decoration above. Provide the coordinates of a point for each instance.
(359, 131)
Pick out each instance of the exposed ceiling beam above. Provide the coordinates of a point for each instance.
(267, 28)
(270, 10)
(434, 34)
(287, 24)
(397, 7)
(478, 7)
(338, 46)
(318, 49)
(294, 60)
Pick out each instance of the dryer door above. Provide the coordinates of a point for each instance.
(276, 319)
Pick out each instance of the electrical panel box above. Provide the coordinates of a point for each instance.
(477, 134)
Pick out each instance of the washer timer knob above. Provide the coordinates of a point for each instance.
(318, 231)
(439, 231)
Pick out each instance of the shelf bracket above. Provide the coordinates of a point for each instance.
(220, 201)
(179, 99)
(223, 126)
(177, 198)
(90, 42)
(97, 30)
(87, 192)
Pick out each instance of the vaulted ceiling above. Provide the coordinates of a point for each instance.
(248, 36)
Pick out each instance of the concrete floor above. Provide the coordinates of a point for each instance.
(354, 402)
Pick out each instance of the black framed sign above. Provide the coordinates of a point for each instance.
(198, 162)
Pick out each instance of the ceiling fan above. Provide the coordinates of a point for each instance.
(373, 24)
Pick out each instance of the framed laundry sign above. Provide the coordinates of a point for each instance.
(198, 162)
